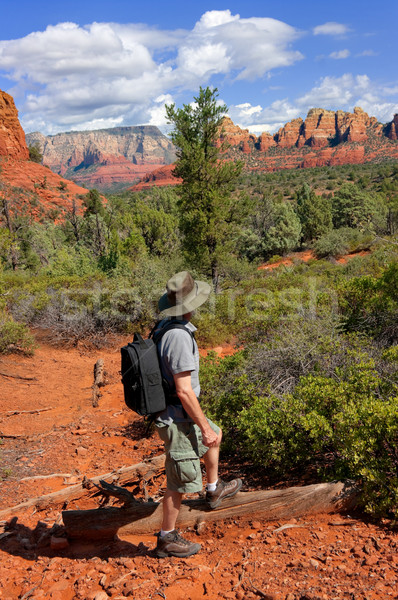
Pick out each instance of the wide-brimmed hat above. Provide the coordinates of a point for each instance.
(183, 295)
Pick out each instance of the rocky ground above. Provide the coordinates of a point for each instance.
(49, 427)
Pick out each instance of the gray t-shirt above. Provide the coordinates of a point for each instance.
(178, 353)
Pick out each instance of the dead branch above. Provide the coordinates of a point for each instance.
(34, 477)
(14, 376)
(11, 413)
(260, 593)
(108, 490)
(98, 381)
(141, 471)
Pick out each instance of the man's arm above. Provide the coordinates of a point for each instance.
(191, 405)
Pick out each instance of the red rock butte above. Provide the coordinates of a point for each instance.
(324, 138)
(25, 181)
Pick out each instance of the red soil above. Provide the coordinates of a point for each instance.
(305, 256)
(315, 558)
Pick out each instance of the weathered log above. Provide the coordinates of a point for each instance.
(146, 517)
(98, 380)
(141, 471)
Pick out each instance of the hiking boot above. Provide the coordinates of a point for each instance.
(173, 544)
(224, 489)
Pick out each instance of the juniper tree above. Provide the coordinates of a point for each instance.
(210, 214)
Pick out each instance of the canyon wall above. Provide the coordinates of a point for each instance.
(105, 158)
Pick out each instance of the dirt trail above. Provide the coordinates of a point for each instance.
(305, 256)
(314, 558)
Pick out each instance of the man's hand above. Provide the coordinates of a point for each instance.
(211, 438)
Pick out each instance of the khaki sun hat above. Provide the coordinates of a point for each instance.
(183, 295)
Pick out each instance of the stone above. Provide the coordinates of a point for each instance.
(101, 596)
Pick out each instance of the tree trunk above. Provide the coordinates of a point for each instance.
(146, 517)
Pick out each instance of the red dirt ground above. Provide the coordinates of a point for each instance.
(323, 557)
(305, 256)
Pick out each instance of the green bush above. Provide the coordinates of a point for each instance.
(35, 154)
(14, 337)
(341, 241)
(346, 423)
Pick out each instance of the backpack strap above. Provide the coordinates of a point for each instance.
(168, 327)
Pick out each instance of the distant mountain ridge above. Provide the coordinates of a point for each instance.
(123, 157)
(105, 158)
(324, 138)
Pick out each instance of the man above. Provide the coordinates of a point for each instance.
(187, 433)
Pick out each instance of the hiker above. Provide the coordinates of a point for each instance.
(187, 433)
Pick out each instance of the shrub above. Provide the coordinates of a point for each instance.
(35, 154)
(14, 337)
(344, 422)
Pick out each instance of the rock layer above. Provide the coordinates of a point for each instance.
(105, 158)
(12, 136)
(25, 182)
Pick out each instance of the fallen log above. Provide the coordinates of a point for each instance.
(98, 381)
(146, 517)
(141, 471)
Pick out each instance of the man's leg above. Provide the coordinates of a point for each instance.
(217, 489)
(211, 461)
(171, 508)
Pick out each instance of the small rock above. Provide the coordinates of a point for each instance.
(252, 536)
(58, 543)
(370, 561)
(314, 563)
(256, 525)
(72, 480)
(80, 451)
(239, 595)
(101, 596)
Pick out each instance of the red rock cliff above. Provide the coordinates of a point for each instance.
(12, 136)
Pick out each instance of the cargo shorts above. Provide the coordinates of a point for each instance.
(184, 447)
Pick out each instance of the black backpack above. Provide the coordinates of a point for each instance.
(145, 392)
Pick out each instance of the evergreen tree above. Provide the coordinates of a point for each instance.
(314, 212)
(210, 215)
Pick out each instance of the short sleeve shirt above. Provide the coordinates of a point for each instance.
(178, 353)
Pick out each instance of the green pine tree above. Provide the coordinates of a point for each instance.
(210, 214)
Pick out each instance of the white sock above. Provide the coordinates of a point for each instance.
(211, 487)
(163, 533)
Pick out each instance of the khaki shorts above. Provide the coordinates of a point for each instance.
(183, 447)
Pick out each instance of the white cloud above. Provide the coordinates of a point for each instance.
(340, 54)
(367, 53)
(258, 119)
(69, 76)
(331, 28)
(348, 91)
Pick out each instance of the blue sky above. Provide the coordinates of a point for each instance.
(92, 64)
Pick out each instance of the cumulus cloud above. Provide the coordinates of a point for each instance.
(340, 54)
(258, 119)
(69, 76)
(331, 28)
(348, 91)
